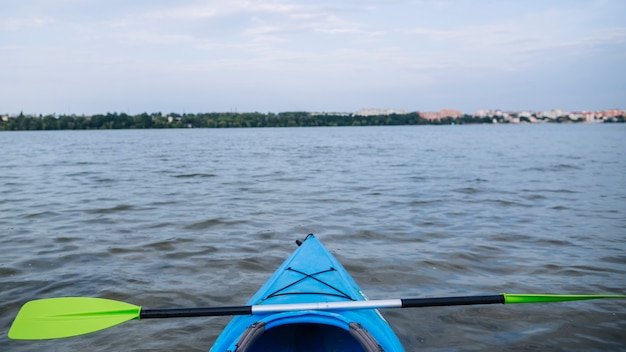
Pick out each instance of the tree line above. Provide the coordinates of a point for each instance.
(228, 120)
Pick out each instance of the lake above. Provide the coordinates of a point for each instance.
(202, 217)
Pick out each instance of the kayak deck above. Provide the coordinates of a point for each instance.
(310, 274)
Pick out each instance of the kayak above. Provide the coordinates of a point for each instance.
(310, 274)
(310, 304)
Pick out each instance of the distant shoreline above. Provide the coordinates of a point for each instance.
(284, 119)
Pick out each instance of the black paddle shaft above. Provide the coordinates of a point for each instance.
(194, 312)
(451, 301)
(247, 310)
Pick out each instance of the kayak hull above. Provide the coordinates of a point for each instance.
(310, 274)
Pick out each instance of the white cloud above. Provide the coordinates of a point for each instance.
(215, 8)
(369, 46)
(20, 23)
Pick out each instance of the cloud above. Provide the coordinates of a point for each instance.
(21, 23)
(518, 42)
(288, 46)
(198, 11)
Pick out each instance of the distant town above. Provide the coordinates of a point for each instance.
(363, 117)
(499, 116)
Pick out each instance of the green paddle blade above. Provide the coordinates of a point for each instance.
(54, 318)
(510, 298)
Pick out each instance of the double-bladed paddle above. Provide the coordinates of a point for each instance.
(53, 318)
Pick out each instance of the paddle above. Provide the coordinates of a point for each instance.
(53, 318)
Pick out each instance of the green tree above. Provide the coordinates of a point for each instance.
(50, 123)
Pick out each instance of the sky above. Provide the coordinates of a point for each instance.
(88, 57)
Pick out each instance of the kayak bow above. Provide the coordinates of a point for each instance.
(309, 276)
(310, 303)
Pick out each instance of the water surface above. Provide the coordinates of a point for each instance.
(187, 218)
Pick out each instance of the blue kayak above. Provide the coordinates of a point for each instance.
(310, 274)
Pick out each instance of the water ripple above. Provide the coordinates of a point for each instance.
(410, 211)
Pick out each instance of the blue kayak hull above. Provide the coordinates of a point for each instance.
(310, 274)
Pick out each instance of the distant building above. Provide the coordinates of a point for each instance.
(330, 114)
(429, 115)
(575, 116)
(375, 112)
(443, 113)
(553, 114)
(449, 113)
(612, 113)
(483, 113)
(589, 116)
